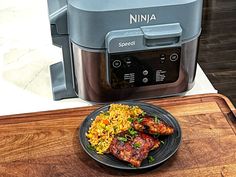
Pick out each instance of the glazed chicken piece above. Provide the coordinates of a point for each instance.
(148, 125)
(134, 150)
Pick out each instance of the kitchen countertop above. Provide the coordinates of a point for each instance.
(26, 52)
(48, 143)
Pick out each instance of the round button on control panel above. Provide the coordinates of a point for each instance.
(116, 63)
(174, 57)
(145, 72)
(145, 80)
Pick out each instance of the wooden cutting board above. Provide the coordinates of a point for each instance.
(46, 143)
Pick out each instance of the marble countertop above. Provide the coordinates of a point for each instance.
(26, 52)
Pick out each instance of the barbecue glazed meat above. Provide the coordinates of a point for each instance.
(133, 150)
(148, 125)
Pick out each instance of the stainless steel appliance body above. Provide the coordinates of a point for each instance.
(125, 50)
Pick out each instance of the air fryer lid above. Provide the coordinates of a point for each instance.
(89, 23)
(143, 38)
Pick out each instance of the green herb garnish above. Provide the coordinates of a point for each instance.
(139, 119)
(156, 135)
(106, 113)
(132, 131)
(136, 145)
(143, 113)
(130, 119)
(151, 159)
(130, 165)
(122, 139)
(90, 147)
(156, 120)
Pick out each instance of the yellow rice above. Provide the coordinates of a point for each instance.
(107, 124)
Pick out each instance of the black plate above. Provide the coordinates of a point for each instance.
(163, 153)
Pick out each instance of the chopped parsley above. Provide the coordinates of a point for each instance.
(139, 119)
(132, 131)
(156, 120)
(122, 139)
(106, 113)
(130, 165)
(130, 119)
(151, 159)
(156, 135)
(143, 113)
(90, 147)
(136, 145)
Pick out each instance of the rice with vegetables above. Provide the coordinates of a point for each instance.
(107, 124)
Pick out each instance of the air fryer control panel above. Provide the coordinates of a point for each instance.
(143, 68)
